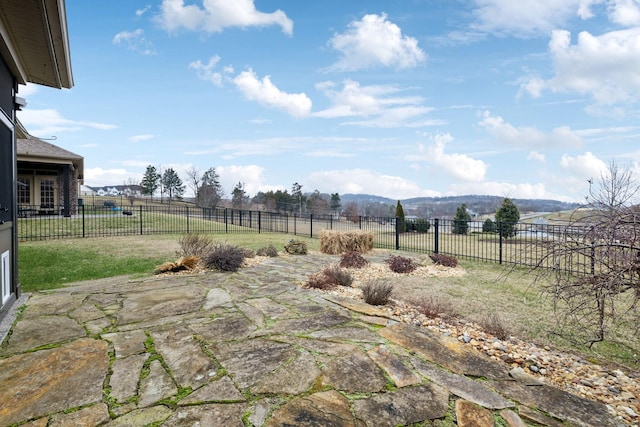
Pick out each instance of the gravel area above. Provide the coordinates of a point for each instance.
(618, 388)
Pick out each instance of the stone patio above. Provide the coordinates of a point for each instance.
(252, 349)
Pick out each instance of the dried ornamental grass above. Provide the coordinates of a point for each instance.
(182, 264)
(336, 242)
(377, 292)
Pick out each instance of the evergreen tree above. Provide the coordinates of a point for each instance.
(150, 181)
(402, 225)
(461, 220)
(334, 205)
(172, 184)
(210, 192)
(507, 217)
(296, 194)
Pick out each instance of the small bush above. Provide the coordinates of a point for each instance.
(269, 251)
(377, 292)
(494, 325)
(488, 226)
(194, 245)
(319, 280)
(224, 257)
(249, 253)
(399, 264)
(419, 225)
(433, 307)
(445, 260)
(329, 278)
(353, 259)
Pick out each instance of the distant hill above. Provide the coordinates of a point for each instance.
(440, 207)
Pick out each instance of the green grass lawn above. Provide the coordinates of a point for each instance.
(55, 263)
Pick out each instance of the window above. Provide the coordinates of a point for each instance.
(24, 191)
(47, 197)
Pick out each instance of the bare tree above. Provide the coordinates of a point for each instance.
(194, 180)
(600, 300)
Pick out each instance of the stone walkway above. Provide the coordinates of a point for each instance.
(253, 349)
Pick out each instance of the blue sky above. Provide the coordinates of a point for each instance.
(402, 99)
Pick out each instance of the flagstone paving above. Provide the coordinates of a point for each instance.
(253, 349)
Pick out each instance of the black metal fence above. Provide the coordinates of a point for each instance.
(530, 245)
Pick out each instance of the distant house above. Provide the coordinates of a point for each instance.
(49, 177)
(34, 48)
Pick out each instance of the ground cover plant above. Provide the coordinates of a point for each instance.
(400, 264)
(329, 278)
(353, 259)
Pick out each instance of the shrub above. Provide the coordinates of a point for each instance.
(353, 259)
(419, 225)
(249, 253)
(269, 251)
(488, 226)
(224, 257)
(377, 292)
(433, 307)
(329, 278)
(194, 245)
(445, 260)
(399, 264)
(493, 325)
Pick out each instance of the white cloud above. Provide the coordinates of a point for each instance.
(135, 41)
(362, 181)
(583, 167)
(539, 157)
(206, 71)
(266, 93)
(504, 189)
(250, 175)
(376, 105)
(27, 90)
(139, 138)
(216, 15)
(625, 12)
(526, 17)
(374, 41)
(50, 122)
(97, 177)
(605, 67)
(140, 12)
(458, 166)
(527, 136)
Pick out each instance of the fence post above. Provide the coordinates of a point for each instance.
(360, 222)
(140, 220)
(83, 229)
(436, 236)
(331, 222)
(226, 222)
(187, 219)
(295, 229)
(259, 221)
(397, 234)
(500, 242)
(311, 225)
